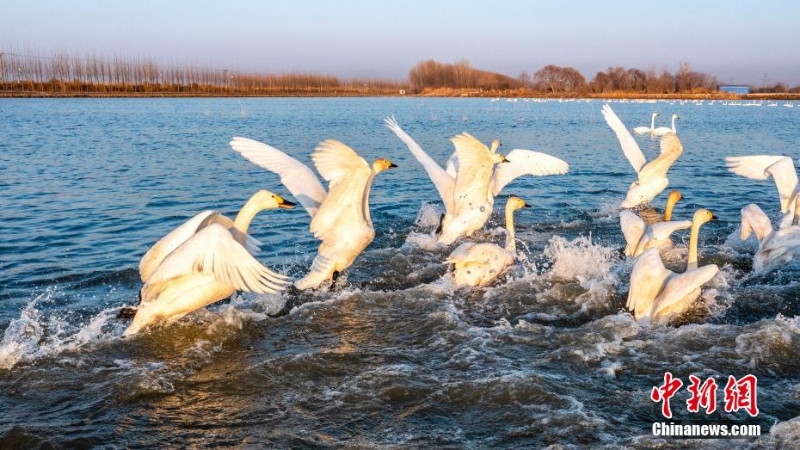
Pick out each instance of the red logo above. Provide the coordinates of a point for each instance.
(704, 395)
(739, 394)
(665, 392)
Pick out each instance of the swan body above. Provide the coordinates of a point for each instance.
(656, 293)
(660, 131)
(474, 177)
(340, 217)
(639, 236)
(480, 264)
(645, 130)
(652, 176)
(776, 247)
(780, 168)
(205, 260)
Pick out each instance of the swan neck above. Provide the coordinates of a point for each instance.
(511, 239)
(693, 237)
(365, 199)
(669, 208)
(673, 124)
(652, 122)
(246, 215)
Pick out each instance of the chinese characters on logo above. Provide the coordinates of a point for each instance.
(739, 394)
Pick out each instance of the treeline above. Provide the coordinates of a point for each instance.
(63, 74)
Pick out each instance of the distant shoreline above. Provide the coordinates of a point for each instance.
(444, 94)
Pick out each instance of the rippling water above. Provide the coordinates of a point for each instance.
(395, 355)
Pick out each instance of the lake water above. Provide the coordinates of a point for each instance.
(395, 355)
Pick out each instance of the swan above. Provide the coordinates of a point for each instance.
(471, 180)
(480, 264)
(762, 167)
(653, 175)
(660, 131)
(205, 260)
(639, 236)
(659, 294)
(643, 130)
(776, 247)
(340, 217)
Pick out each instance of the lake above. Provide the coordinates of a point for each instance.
(394, 355)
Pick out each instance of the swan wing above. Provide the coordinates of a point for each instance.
(526, 162)
(671, 149)
(629, 146)
(348, 175)
(632, 228)
(452, 165)
(444, 182)
(754, 219)
(296, 176)
(679, 287)
(167, 244)
(460, 254)
(475, 167)
(663, 230)
(647, 280)
(213, 251)
(761, 167)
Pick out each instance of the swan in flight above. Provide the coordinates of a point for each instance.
(644, 130)
(480, 264)
(659, 294)
(639, 236)
(660, 131)
(776, 247)
(653, 175)
(340, 217)
(471, 181)
(205, 260)
(780, 168)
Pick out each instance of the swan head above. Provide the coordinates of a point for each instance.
(495, 145)
(655, 114)
(674, 196)
(268, 200)
(514, 203)
(497, 158)
(702, 216)
(675, 117)
(382, 164)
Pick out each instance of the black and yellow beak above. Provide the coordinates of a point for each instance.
(714, 217)
(283, 203)
(503, 159)
(525, 205)
(392, 165)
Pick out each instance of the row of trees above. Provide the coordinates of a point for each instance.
(65, 74)
(69, 75)
(555, 79)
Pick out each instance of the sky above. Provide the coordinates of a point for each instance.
(756, 42)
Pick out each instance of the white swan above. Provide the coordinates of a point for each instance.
(480, 264)
(653, 175)
(657, 293)
(203, 261)
(640, 236)
(780, 168)
(776, 247)
(660, 131)
(644, 130)
(471, 182)
(340, 217)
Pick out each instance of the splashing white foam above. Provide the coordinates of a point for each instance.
(580, 260)
(429, 215)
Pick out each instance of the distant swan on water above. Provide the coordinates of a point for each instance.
(205, 260)
(474, 177)
(651, 129)
(340, 217)
(660, 131)
(652, 176)
(480, 264)
(658, 294)
(639, 236)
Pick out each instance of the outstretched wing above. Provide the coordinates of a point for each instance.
(475, 167)
(754, 219)
(671, 149)
(526, 162)
(167, 244)
(679, 287)
(296, 176)
(348, 175)
(647, 280)
(629, 146)
(213, 251)
(632, 228)
(761, 167)
(444, 182)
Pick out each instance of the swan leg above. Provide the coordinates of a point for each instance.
(439, 228)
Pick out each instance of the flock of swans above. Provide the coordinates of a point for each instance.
(210, 256)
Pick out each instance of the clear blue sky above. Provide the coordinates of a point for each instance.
(739, 42)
